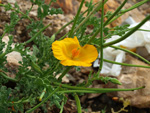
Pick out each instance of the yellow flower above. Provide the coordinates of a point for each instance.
(71, 53)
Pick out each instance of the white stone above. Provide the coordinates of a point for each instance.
(13, 57)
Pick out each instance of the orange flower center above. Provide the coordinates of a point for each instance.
(75, 52)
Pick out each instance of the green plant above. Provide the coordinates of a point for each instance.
(35, 85)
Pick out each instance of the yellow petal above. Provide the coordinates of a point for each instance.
(57, 48)
(75, 63)
(63, 49)
(88, 53)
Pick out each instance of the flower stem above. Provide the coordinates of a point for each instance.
(116, 12)
(90, 90)
(67, 25)
(127, 10)
(125, 64)
(64, 27)
(62, 105)
(34, 108)
(99, 90)
(101, 37)
(64, 36)
(99, 5)
(126, 50)
(3, 34)
(95, 34)
(76, 18)
(78, 103)
(128, 33)
(64, 73)
(21, 101)
(7, 77)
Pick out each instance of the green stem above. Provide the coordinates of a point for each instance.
(128, 33)
(99, 5)
(67, 25)
(102, 90)
(76, 18)
(126, 50)
(3, 34)
(52, 69)
(144, 30)
(125, 30)
(95, 34)
(64, 36)
(7, 77)
(34, 108)
(115, 13)
(129, 9)
(78, 103)
(135, 6)
(101, 37)
(98, 90)
(31, 39)
(62, 105)
(21, 101)
(64, 72)
(124, 64)
(3, 54)
(64, 27)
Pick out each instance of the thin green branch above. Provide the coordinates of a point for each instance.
(76, 18)
(7, 77)
(64, 72)
(127, 10)
(64, 36)
(78, 103)
(126, 50)
(102, 90)
(116, 12)
(3, 34)
(62, 105)
(144, 30)
(99, 5)
(63, 27)
(125, 64)
(90, 90)
(128, 33)
(135, 6)
(67, 25)
(95, 34)
(101, 37)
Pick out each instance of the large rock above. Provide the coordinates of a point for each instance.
(132, 77)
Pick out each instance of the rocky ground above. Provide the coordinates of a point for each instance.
(91, 103)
